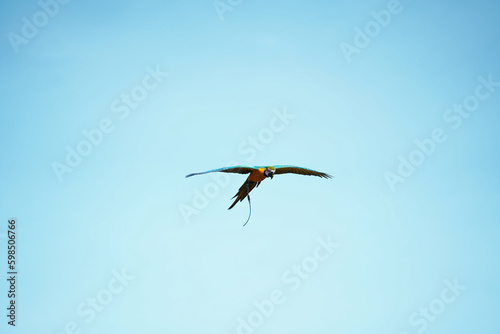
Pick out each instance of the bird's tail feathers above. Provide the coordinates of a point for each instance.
(244, 190)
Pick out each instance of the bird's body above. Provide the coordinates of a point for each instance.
(259, 174)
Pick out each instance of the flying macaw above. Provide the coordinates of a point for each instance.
(257, 175)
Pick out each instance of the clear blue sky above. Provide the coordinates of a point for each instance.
(107, 106)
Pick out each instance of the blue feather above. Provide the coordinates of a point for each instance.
(227, 170)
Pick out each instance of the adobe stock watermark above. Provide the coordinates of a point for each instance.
(249, 148)
(454, 116)
(429, 313)
(292, 278)
(89, 309)
(364, 36)
(223, 6)
(121, 107)
(31, 25)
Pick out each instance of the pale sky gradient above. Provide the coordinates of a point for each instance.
(122, 242)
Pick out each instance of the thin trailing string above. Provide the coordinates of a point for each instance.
(249, 205)
(250, 213)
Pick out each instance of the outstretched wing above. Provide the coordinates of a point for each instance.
(233, 169)
(283, 169)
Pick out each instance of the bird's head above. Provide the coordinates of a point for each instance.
(269, 172)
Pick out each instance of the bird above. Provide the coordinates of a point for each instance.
(259, 174)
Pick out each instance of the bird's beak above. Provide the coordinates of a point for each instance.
(272, 175)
